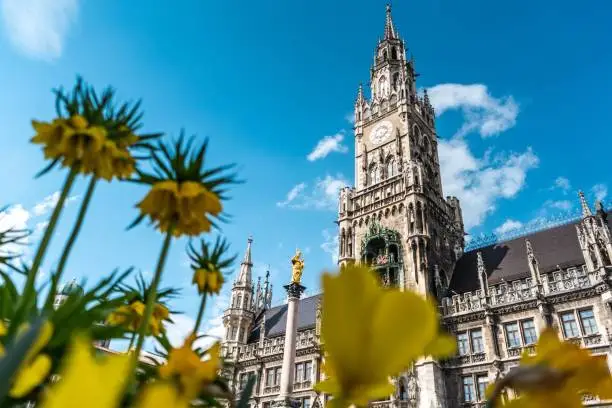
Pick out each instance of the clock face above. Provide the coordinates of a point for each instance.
(381, 132)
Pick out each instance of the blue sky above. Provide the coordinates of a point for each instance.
(520, 90)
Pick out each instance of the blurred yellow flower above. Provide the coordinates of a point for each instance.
(50, 135)
(161, 395)
(189, 368)
(184, 205)
(35, 367)
(3, 329)
(557, 375)
(130, 316)
(364, 343)
(87, 381)
(208, 280)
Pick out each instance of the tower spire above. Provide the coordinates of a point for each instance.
(244, 277)
(390, 32)
(586, 211)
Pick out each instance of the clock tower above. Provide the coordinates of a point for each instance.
(396, 218)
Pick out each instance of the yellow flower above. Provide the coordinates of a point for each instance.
(87, 381)
(51, 136)
(35, 367)
(557, 375)
(208, 281)
(3, 329)
(162, 395)
(130, 316)
(365, 345)
(187, 367)
(184, 205)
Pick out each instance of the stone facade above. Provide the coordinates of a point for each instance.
(495, 299)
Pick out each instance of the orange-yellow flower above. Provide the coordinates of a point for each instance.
(364, 343)
(184, 205)
(162, 395)
(186, 366)
(208, 280)
(557, 375)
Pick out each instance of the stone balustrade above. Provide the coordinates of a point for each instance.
(520, 290)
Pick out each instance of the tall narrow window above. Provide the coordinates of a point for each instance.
(483, 382)
(587, 319)
(391, 168)
(529, 332)
(308, 371)
(513, 336)
(462, 344)
(277, 376)
(477, 343)
(468, 389)
(570, 328)
(299, 372)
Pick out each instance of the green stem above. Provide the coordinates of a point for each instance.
(152, 295)
(132, 341)
(46, 239)
(200, 314)
(71, 240)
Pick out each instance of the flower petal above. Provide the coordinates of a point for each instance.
(30, 376)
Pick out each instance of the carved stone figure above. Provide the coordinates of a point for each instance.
(412, 389)
(297, 263)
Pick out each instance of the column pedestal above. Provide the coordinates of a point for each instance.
(284, 400)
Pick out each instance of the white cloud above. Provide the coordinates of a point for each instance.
(480, 183)
(350, 118)
(482, 112)
(292, 194)
(322, 196)
(331, 244)
(563, 184)
(600, 191)
(564, 205)
(15, 217)
(327, 145)
(49, 202)
(507, 226)
(38, 28)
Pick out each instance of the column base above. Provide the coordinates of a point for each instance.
(286, 402)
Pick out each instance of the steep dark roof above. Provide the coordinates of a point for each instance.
(276, 318)
(508, 260)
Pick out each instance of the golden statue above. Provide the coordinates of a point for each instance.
(297, 268)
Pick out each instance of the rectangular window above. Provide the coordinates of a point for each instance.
(299, 372)
(477, 344)
(587, 319)
(462, 344)
(277, 376)
(570, 328)
(269, 377)
(243, 381)
(482, 381)
(308, 371)
(266, 405)
(468, 389)
(529, 332)
(513, 337)
(306, 402)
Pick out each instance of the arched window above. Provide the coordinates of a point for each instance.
(395, 81)
(403, 394)
(385, 55)
(239, 301)
(394, 53)
(391, 167)
(419, 218)
(342, 242)
(350, 242)
(374, 174)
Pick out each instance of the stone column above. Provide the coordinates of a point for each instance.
(294, 292)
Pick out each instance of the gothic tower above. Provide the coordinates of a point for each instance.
(239, 317)
(396, 218)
